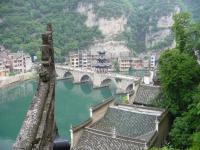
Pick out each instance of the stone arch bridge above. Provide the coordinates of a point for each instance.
(124, 83)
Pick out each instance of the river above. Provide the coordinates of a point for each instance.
(71, 107)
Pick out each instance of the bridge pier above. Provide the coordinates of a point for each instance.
(97, 81)
(77, 77)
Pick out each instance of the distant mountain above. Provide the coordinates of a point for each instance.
(115, 25)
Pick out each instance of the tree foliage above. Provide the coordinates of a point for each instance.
(187, 33)
(180, 80)
(179, 74)
(181, 24)
(186, 128)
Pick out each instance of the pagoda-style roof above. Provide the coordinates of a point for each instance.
(101, 52)
(100, 65)
(101, 60)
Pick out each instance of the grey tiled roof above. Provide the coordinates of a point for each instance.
(91, 140)
(146, 94)
(126, 123)
(146, 136)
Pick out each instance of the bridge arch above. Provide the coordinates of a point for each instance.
(68, 75)
(86, 78)
(129, 88)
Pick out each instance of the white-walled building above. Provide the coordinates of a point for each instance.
(21, 62)
(3, 70)
(5, 62)
(28, 62)
(124, 63)
(81, 59)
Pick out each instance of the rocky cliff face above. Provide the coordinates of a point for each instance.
(112, 27)
(164, 25)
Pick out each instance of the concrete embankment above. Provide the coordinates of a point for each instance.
(6, 81)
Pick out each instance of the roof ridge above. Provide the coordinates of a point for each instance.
(138, 110)
(118, 137)
(157, 86)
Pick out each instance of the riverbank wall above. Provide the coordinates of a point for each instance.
(6, 81)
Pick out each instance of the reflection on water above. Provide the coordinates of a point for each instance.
(69, 84)
(86, 87)
(6, 144)
(71, 107)
(20, 91)
(72, 104)
(106, 91)
(14, 102)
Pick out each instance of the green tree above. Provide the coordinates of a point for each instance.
(116, 65)
(181, 23)
(179, 74)
(163, 148)
(186, 128)
(193, 38)
(180, 80)
(187, 33)
(195, 141)
(125, 99)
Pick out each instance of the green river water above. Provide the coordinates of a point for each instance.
(72, 107)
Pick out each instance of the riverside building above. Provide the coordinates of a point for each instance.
(80, 59)
(21, 62)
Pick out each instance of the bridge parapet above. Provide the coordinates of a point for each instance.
(39, 129)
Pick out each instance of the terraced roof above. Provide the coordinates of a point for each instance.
(146, 94)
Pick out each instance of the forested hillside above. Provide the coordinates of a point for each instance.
(22, 21)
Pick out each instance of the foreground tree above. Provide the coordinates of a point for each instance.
(179, 75)
(186, 128)
(180, 80)
(187, 33)
(181, 24)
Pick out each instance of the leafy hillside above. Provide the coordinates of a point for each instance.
(22, 21)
